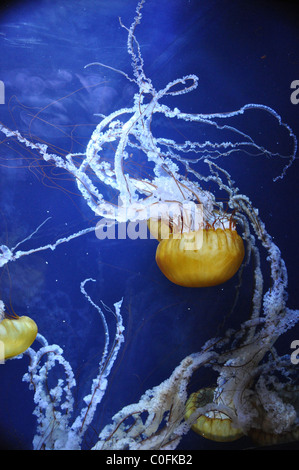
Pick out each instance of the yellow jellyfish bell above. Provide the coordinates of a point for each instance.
(213, 425)
(16, 335)
(202, 258)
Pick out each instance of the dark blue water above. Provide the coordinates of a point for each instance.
(243, 52)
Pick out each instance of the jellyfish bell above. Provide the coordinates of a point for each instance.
(207, 256)
(16, 335)
(204, 258)
(213, 425)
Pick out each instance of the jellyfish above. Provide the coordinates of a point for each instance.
(251, 394)
(216, 261)
(213, 425)
(16, 335)
(205, 257)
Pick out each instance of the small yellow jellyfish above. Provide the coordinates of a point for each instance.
(213, 425)
(202, 258)
(16, 335)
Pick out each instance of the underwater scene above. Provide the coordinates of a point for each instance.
(149, 225)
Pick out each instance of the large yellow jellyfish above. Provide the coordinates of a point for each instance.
(201, 258)
(251, 376)
(16, 335)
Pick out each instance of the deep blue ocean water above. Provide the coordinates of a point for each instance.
(243, 52)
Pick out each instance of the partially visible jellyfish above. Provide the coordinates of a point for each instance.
(16, 334)
(254, 393)
(221, 426)
(213, 425)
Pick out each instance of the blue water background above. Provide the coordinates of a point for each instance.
(243, 52)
